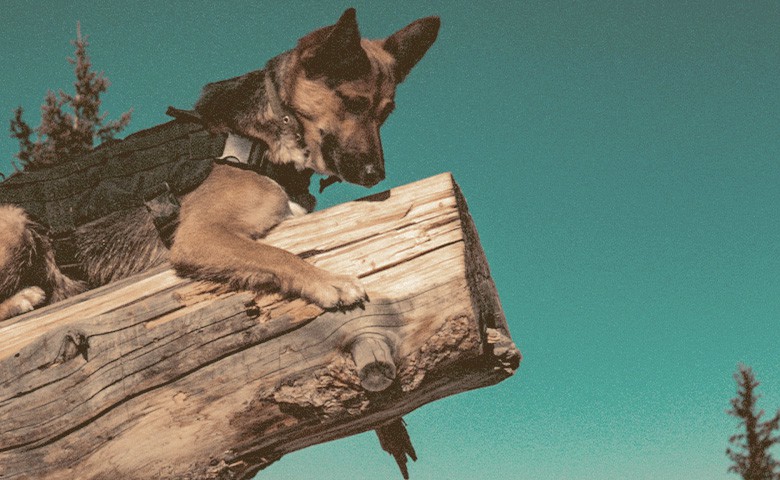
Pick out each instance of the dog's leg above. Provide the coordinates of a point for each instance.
(21, 302)
(28, 274)
(216, 240)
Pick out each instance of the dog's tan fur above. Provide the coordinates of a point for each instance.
(219, 221)
(341, 89)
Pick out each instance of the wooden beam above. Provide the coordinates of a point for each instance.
(156, 376)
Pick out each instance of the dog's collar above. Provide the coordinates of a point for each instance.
(280, 110)
(243, 152)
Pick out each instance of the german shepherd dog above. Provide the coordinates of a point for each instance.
(335, 90)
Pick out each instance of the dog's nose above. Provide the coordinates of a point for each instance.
(371, 175)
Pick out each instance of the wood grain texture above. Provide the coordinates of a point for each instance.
(162, 377)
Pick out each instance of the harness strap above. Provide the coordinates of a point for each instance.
(65, 253)
(164, 208)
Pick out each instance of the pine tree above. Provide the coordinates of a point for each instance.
(752, 457)
(63, 135)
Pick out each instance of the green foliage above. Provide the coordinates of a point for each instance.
(752, 457)
(63, 134)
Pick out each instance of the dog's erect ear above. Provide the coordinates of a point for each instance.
(409, 44)
(336, 52)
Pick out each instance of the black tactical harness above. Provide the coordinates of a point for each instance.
(152, 168)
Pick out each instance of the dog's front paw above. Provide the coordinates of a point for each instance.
(335, 291)
(21, 302)
(29, 298)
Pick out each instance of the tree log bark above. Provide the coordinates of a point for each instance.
(157, 376)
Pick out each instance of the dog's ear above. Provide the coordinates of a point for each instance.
(409, 44)
(335, 51)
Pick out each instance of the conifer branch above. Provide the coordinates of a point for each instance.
(751, 453)
(63, 135)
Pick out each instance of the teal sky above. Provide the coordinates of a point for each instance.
(622, 164)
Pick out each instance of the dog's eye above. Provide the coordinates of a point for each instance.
(356, 105)
(386, 111)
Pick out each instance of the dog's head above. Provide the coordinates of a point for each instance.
(339, 87)
(344, 90)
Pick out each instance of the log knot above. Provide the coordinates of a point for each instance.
(373, 357)
(74, 344)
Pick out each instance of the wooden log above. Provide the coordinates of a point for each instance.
(156, 376)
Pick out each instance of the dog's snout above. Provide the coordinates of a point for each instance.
(371, 175)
